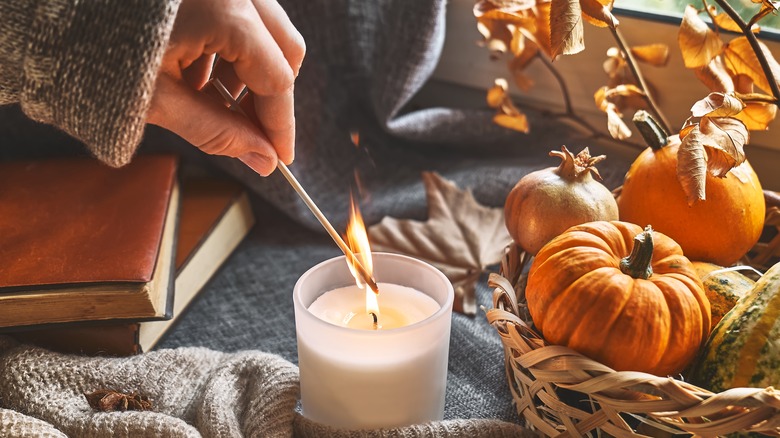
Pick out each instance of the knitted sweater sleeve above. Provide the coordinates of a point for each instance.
(87, 67)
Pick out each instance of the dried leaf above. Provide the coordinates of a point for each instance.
(497, 35)
(741, 60)
(542, 33)
(622, 96)
(743, 84)
(718, 105)
(495, 25)
(615, 125)
(767, 7)
(692, 166)
(517, 45)
(725, 22)
(507, 114)
(496, 95)
(566, 32)
(653, 54)
(715, 76)
(604, 101)
(600, 97)
(460, 237)
(726, 138)
(627, 96)
(520, 62)
(108, 401)
(517, 122)
(757, 115)
(698, 43)
(598, 13)
(614, 65)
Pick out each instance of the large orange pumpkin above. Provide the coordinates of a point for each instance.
(720, 229)
(625, 297)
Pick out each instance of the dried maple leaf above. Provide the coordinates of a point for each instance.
(109, 401)
(698, 43)
(460, 237)
(566, 30)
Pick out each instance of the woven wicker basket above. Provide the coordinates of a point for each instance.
(560, 392)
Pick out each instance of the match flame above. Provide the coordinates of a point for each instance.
(357, 239)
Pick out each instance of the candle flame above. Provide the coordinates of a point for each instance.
(357, 239)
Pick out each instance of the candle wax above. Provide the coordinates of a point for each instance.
(396, 379)
(399, 306)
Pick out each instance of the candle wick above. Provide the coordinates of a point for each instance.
(376, 320)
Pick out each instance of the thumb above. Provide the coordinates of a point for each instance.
(205, 122)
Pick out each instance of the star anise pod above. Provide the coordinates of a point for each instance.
(108, 401)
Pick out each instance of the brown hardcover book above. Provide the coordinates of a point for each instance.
(80, 241)
(215, 215)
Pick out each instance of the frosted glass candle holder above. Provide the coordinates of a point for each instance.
(367, 379)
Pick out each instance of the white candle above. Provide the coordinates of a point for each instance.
(355, 377)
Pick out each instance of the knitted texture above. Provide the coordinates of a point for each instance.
(87, 67)
(194, 392)
(17, 425)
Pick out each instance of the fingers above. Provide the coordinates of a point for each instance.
(282, 45)
(283, 31)
(277, 118)
(257, 59)
(227, 75)
(261, 48)
(208, 124)
(198, 72)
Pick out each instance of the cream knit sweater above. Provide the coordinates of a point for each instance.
(195, 392)
(87, 67)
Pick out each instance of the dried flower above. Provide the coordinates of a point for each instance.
(109, 401)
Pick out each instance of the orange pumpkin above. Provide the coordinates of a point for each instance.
(625, 297)
(720, 229)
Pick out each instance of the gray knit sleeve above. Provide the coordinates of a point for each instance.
(87, 67)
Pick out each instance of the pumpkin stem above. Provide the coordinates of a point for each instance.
(653, 133)
(575, 167)
(637, 264)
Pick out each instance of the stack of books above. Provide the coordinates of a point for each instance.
(96, 260)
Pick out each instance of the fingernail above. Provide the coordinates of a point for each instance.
(261, 164)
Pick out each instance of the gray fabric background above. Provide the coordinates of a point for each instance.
(366, 61)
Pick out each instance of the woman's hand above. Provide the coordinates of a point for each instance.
(258, 47)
